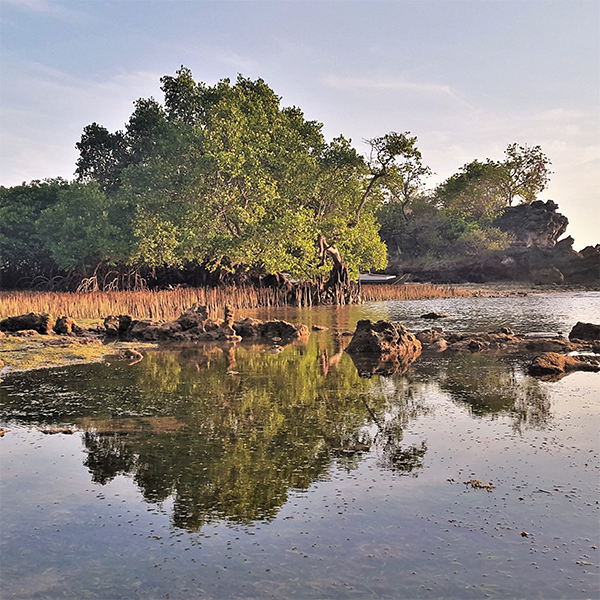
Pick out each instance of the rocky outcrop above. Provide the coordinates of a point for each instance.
(585, 331)
(67, 326)
(194, 325)
(552, 365)
(536, 254)
(384, 347)
(535, 225)
(503, 340)
(40, 322)
(117, 325)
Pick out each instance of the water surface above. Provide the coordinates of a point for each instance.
(235, 472)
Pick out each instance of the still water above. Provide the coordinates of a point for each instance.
(235, 472)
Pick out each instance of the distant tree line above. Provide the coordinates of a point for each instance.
(222, 181)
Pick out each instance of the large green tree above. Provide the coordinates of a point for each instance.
(225, 176)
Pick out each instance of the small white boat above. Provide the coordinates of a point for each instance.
(388, 279)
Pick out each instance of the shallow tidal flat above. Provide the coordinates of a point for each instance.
(233, 472)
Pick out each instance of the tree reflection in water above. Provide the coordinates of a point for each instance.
(227, 432)
(252, 426)
(491, 385)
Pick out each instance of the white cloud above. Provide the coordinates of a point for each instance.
(45, 110)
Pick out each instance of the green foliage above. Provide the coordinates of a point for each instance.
(478, 190)
(457, 219)
(77, 229)
(231, 179)
(527, 170)
(223, 176)
(22, 251)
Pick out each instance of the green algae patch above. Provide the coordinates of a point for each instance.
(25, 353)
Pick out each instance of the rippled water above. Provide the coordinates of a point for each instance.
(224, 472)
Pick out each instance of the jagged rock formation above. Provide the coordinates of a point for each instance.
(553, 366)
(585, 331)
(194, 324)
(535, 225)
(40, 322)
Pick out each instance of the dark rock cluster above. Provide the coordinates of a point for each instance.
(535, 256)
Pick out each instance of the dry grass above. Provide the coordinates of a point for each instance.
(412, 291)
(169, 304)
(156, 305)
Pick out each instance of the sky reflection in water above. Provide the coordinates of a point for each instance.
(213, 472)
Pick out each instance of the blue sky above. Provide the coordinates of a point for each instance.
(466, 77)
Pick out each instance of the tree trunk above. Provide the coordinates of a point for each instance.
(338, 289)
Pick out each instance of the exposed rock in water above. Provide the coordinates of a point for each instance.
(382, 348)
(434, 315)
(40, 322)
(553, 365)
(501, 340)
(274, 330)
(194, 324)
(134, 356)
(585, 331)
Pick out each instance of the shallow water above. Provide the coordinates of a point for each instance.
(214, 472)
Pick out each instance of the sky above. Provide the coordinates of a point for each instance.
(467, 77)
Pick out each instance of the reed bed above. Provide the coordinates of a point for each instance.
(412, 291)
(155, 305)
(169, 304)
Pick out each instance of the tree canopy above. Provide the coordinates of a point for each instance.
(224, 177)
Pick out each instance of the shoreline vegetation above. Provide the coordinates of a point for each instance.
(168, 304)
(222, 185)
(22, 352)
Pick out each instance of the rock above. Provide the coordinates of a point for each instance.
(439, 346)
(536, 225)
(194, 316)
(505, 331)
(319, 328)
(383, 338)
(67, 326)
(132, 355)
(40, 322)
(551, 364)
(550, 345)
(251, 328)
(27, 333)
(194, 325)
(152, 331)
(383, 348)
(585, 331)
(117, 325)
(434, 315)
(430, 336)
(284, 330)
(547, 276)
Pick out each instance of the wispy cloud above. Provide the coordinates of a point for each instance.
(355, 83)
(41, 7)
